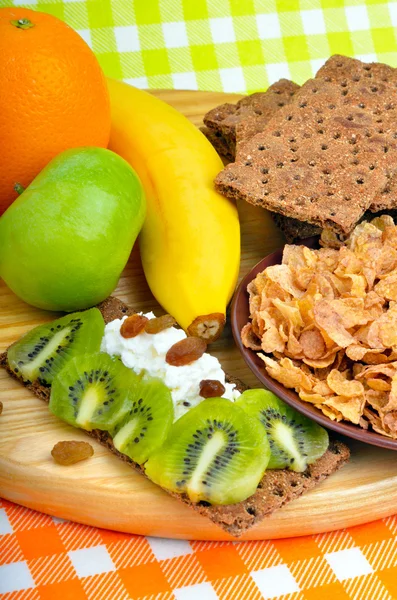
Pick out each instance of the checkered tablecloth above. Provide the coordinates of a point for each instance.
(44, 558)
(229, 45)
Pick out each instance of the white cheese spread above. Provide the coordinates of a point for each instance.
(146, 352)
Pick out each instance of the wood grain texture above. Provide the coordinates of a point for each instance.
(105, 492)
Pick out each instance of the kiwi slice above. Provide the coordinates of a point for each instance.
(98, 392)
(295, 441)
(147, 420)
(42, 352)
(91, 391)
(214, 453)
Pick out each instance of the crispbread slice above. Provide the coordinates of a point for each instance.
(238, 122)
(377, 77)
(344, 70)
(322, 158)
(341, 68)
(276, 488)
(219, 142)
(293, 229)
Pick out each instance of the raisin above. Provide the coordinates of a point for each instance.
(70, 452)
(186, 351)
(133, 325)
(159, 324)
(211, 388)
(1, 407)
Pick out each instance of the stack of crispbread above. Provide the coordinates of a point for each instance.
(322, 156)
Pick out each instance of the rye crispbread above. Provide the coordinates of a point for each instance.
(378, 78)
(375, 83)
(295, 231)
(219, 143)
(323, 158)
(276, 488)
(233, 123)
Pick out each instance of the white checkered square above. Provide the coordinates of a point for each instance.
(200, 591)
(275, 581)
(86, 35)
(164, 549)
(139, 82)
(349, 563)
(232, 79)
(91, 561)
(277, 71)
(5, 525)
(184, 81)
(393, 13)
(175, 35)
(15, 577)
(268, 26)
(313, 22)
(317, 63)
(222, 30)
(127, 38)
(367, 57)
(357, 18)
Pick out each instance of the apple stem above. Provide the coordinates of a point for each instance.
(18, 187)
(22, 23)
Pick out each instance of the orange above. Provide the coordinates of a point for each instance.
(53, 96)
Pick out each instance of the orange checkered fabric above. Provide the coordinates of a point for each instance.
(45, 558)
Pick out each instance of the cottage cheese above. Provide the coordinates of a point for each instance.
(146, 353)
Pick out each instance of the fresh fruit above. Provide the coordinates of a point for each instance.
(214, 453)
(70, 452)
(91, 391)
(295, 441)
(147, 424)
(97, 391)
(53, 96)
(66, 239)
(42, 352)
(190, 241)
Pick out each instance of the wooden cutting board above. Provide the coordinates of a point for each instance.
(104, 491)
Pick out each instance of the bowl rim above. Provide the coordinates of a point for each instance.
(289, 396)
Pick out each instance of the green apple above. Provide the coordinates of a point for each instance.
(65, 241)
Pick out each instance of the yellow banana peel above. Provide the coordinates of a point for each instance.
(190, 241)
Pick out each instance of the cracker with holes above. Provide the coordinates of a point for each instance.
(219, 142)
(379, 81)
(321, 159)
(229, 124)
(343, 68)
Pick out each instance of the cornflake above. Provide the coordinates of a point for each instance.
(325, 324)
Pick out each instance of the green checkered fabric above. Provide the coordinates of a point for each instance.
(229, 45)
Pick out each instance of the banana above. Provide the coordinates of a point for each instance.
(190, 241)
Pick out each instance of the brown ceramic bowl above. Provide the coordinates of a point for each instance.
(240, 316)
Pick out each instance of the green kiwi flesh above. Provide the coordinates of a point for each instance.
(214, 453)
(42, 352)
(91, 391)
(147, 420)
(98, 392)
(295, 441)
